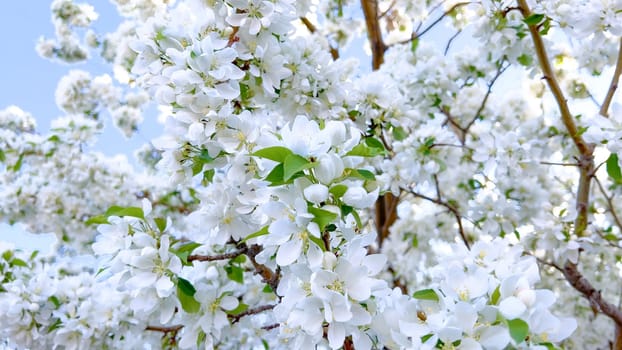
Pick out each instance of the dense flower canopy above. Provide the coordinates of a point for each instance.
(463, 193)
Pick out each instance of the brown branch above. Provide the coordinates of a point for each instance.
(549, 76)
(604, 109)
(164, 329)
(586, 160)
(270, 277)
(452, 209)
(253, 311)
(450, 41)
(581, 284)
(271, 326)
(490, 84)
(225, 256)
(609, 203)
(374, 34)
(312, 29)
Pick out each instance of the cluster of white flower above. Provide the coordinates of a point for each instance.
(276, 149)
(66, 17)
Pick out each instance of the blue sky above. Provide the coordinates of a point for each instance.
(29, 81)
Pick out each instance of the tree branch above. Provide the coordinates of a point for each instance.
(374, 34)
(312, 29)
(253, 311)
(586, 160)
(452, 209)
(224, 256)
(581, 284)
(604, 109)
(164, 329)
(612, 210)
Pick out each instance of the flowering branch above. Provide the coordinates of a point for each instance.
(604, 109)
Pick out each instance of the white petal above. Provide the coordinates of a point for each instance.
(511, 308)
(336, 335)
(289, 252)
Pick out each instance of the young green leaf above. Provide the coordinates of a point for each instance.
(185, 294)
(518, 329)
(534, 19)
(294, 163)
(613, 168)
(125, 211)
(275, 153)
(322, 217)
(235, 273)
(262, 232)
(238, 310)
(426, 294)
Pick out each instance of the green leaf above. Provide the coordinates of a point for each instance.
(160, 223)
(524, 59)
(54, 300)
(294, 163)
(426, 294)
(2, 156)
(267, 289)
(371, 147)
(399, 133)
(613, 168)
(135, 212)
(56, 325)
(275, 153)
(185, 286)
(413, 45)
(235, 273)
(18, 262)
(534, 19)
(338, 190)
(494, 298)
(208, 176)
(318, 242)
(322, 217)
(185, 250)
(185, 294)
(238, 310)
(366, 174)
(262, 232)
(18, 164)
(518, 330)
(275, 177)
(96, 220)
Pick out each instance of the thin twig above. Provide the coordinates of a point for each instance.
(253, 311)
(561, 164)
(312, 29)
(450, 41)
(452, 209)
(416, 34)
(164, 329)
(604, 109)
(490, 84)
(612, 209)
(225, 256)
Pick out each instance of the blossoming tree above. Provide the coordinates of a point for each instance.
(463, 193)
